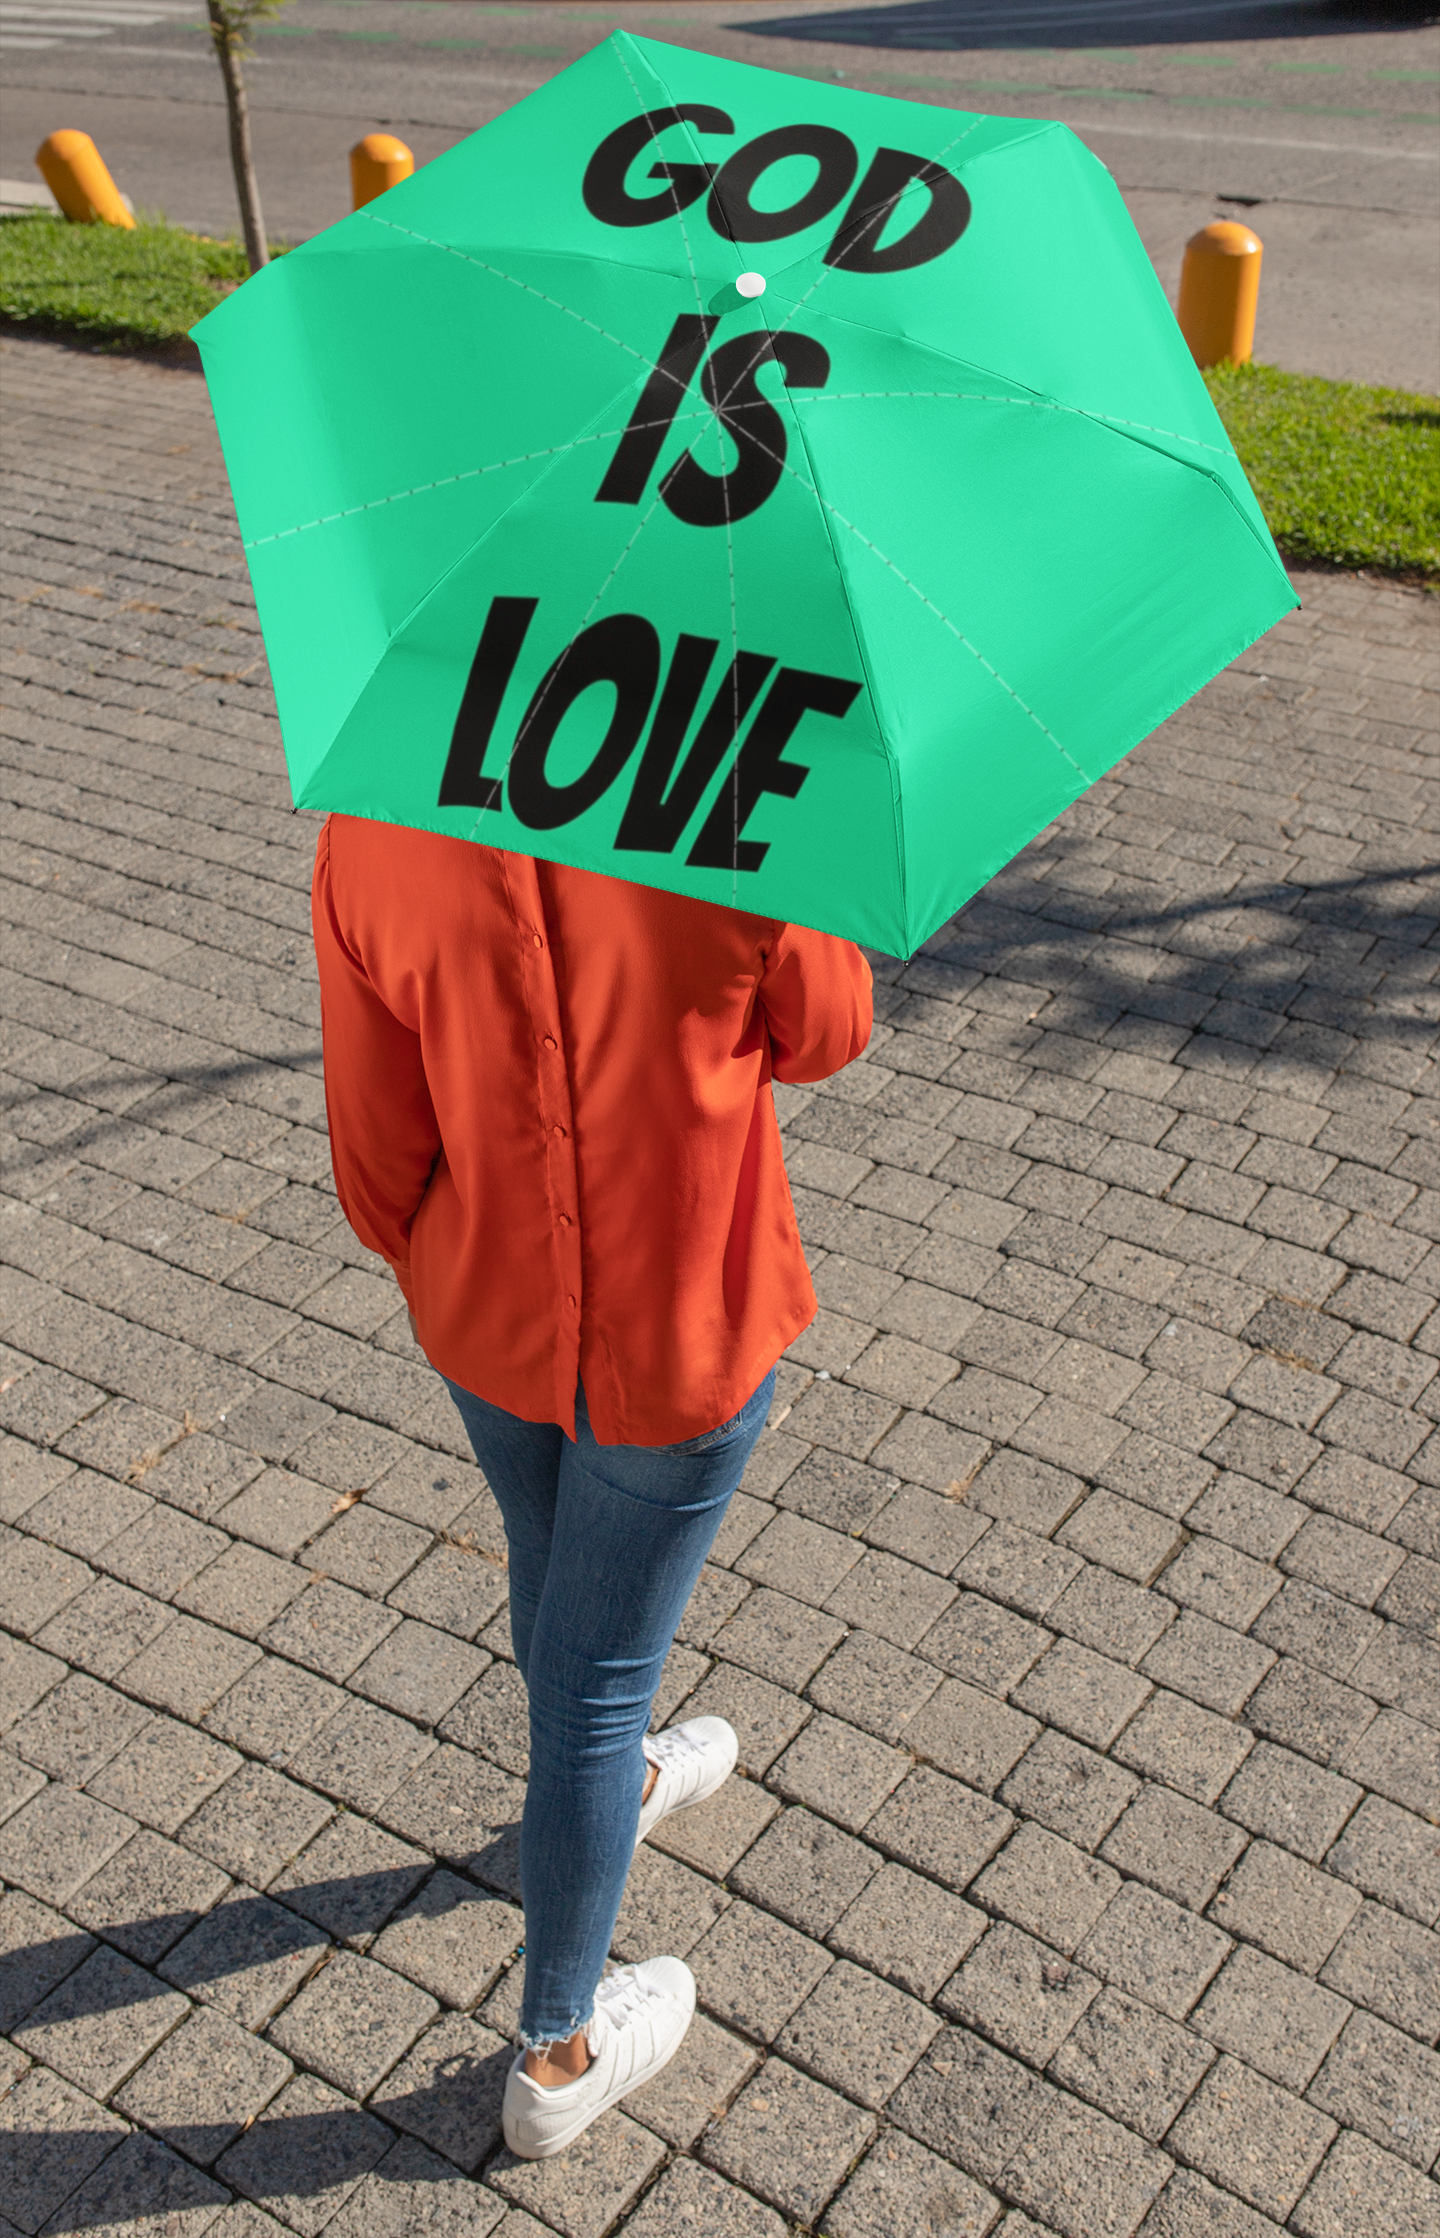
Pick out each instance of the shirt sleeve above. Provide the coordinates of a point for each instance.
(815, 992)
(384, 1135)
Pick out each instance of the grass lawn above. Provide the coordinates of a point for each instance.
(1344, 474)
(108, 285)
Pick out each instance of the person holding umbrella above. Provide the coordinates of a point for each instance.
(550, 1112)
(771, 506)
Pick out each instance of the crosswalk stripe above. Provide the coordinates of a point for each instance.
(46, 23)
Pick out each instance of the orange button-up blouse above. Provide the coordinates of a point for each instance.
(550, 1111)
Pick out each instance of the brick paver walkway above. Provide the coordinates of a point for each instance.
(1078, 1617)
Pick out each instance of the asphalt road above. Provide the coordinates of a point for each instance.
(1319, 131)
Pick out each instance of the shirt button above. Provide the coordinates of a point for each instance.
(538, 941)
(557, 1131)
(570, 1301)
(564, 1219)
(550, 1042)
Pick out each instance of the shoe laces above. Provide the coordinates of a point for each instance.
(667, 1747)
(620, 1999)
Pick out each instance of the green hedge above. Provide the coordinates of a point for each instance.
(1345, 474)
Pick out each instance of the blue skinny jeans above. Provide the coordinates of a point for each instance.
(606, 1542)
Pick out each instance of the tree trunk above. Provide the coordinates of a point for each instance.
(242, 157)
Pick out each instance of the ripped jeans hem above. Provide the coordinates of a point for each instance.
(545, 2043)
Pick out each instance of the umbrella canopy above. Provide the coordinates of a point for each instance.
(753, 488)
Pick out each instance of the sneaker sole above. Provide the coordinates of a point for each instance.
(550, 2146)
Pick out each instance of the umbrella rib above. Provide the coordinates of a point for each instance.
(729, 524)
(897, 805)
(819, 396)
(725, 491)
(555, 666)
(1031, 403)
(796, 308)
(468, 474)
(734, 677)
(906, 194)
(679, 211)
(463, 257)
(526, 458)
(940, 615)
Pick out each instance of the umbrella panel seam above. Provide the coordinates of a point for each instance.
(463, 256)
(891, 760)
(677, 419)
(553, 676)
(469, 552)
(619, 51)
(466, 474)
(941, 616)
(977, 119)
(1128, 430)
(1032, 403)
(679, 210)
(1082, 411)
(828, 507)
(459, 561)
(956, 632)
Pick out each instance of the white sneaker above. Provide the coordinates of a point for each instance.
(691, 1761)
(641, 2015)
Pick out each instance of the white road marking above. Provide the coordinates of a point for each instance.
(1252, 140)
(47, 23)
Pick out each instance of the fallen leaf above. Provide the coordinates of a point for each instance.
(467, 1543)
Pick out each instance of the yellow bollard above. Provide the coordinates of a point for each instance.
(377, 162)
(72, 167)
(1219, 287)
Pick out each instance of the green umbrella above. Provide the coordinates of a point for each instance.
(765, 491)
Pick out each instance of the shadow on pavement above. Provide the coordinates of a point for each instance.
(245, 1930)
(1337, 961)
(292, 2156)
(1050, 24)
(31, 1112)
(451, 2100)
